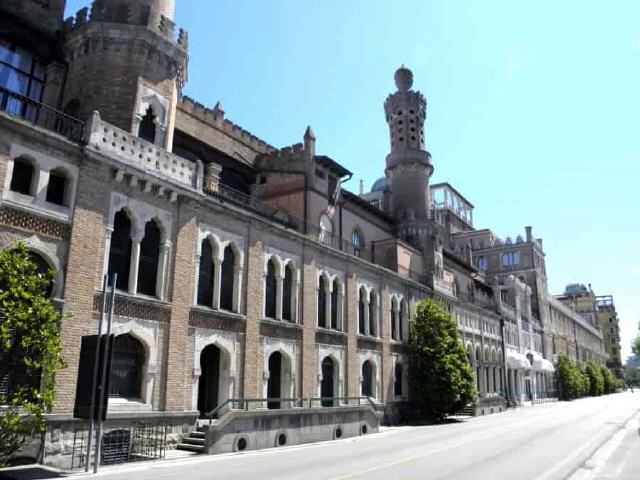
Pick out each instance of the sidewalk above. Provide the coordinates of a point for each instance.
(624, 463)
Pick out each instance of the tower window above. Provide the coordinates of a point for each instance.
(22, 177)
(401, 139)
(56, 189)
(147, 130)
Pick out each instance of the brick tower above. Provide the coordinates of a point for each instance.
(408, 164)
(128, 62)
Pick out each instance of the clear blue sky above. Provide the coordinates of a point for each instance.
(532, 107)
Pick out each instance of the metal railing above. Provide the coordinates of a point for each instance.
(297, 402)
(39, 114)
(226, 194)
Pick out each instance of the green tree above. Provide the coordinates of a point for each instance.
(610, 381)
(442, 379)
(30, 348)
(596, 380)
(570, 381)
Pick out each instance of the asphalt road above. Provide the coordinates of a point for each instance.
(542, 442)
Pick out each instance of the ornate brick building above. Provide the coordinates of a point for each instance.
(244, 271)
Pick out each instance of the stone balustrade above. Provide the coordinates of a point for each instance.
(443, 286)
(139, 153)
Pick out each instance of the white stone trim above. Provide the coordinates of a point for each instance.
(338, 355)
(375, 358)
(289, 350)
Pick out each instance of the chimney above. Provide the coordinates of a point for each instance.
(529, 235)
(361, 187)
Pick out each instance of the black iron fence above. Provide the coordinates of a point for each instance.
(135, 443)
(41, 115)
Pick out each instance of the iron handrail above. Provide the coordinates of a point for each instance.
(42, 115)
(299, 401)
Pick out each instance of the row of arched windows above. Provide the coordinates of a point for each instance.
(397, 319)
(219, 274)
(368, 312)
(136, 261)
(281, 291)
(330, 298)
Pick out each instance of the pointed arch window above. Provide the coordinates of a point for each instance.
(270, 290)
(287, 294)
(322, 303)
(392, 315)
(127, 365)
(335, 293)
(149, 256)
(397, 384)
(227, 279)
(367, 379)
(373, 303)
(147, 129)
(356, 242)
(206, 274)
(401, 320)
(120, 249)
(361, 311)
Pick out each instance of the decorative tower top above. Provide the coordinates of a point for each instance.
(404, 79)
(406, 111)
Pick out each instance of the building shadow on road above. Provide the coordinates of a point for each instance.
(29, 473)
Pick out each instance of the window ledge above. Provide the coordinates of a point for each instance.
(369, 337)
(27, 203)
(220, 312)
(283, 323)
(331, 330)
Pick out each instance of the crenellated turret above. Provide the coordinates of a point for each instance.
(127, 61)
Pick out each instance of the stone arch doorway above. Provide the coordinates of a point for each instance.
(209, 383)
(327, 390)
(279, 383)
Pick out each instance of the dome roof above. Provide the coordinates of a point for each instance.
(381, 185)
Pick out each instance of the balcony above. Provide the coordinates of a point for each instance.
(41, 115)
(143, 155)
(443, 286)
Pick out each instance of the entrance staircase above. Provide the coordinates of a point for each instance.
(195, 442)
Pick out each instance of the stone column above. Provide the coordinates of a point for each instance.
(217, 273)
(352, 297)
(237, 288)
(134, 264)
(107, 250)
(279, 295)
(366, 314)
(310, 372)
(327, 302)
(163, 261)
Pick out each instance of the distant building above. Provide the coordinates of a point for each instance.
(610, 325)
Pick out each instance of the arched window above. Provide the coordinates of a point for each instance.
(327, 391)
(127, 362)
(149, 256)
(22, 177)
(401, 321)
(373, 305)
(335, 292)
(206, 274)
(326, 229)
(397, 384)
(392, 314)
(57, 187)
(270, 290)
(322, 302)
(227, 278)
(367, 379)
(361, 309)
(120, 249)
(356, 242)
(287, 293)
(147, 129)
